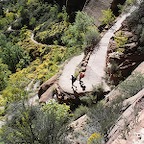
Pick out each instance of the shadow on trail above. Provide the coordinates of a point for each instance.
(74, 88)
(82, 85)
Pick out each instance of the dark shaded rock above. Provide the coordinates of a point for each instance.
(47, 95)
(72, 6)
(114, 6)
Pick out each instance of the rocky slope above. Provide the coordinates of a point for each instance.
(91, 7)
(128, 128)
(94, 8)
(94, 69)
(125, 54)
(126, 49)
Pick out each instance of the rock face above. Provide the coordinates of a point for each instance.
(117, 91)
(77, 134)
(127, 126)
(126, 48)
(91, 7)
(45, 86)
(114, 6)
(130, 122)
(94, 8)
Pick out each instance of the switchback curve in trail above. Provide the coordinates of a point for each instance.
(95, 71)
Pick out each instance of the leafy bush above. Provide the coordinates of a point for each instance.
(3, 23)
(80, 111)
(104, 116)
(91, 37)
(61, 110)
(108, 17)
(125, 7)
(4, 74)
(79, 32)
(130, 2)
(95, 138)
(15, 91)
(10, 16)
(31, 13)
(2, 101)
(30, 124)
(120, 39)
(96, 95)
(13, 54)
(53, 32)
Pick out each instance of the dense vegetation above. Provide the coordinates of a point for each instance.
(57, 39)
(35, 125)
(36, 38)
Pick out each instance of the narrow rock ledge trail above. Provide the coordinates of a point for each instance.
(95, 71)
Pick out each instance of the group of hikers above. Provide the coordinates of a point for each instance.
(81, 69)
(74, 78)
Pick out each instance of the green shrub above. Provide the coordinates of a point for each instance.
(132, 85)
(30, 124)
(130, 2)
(125, 7)
(13, 54)
(120, 39)
(104, 116)
(80, 111)
(16, 88)
(95, 138)
(61, 111)
(4, 74)
(10, 16)
(91, 37)
(108, 17)
(79, 32)
(92, 98)
(3, 23)
(98, 91)
(51, 33)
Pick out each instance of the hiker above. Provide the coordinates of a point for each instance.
(73, 79)
(83, 87)
(81, 76)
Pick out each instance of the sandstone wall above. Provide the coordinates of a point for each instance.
(94, 8)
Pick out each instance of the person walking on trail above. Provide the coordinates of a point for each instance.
(73, 79)
(81, 76)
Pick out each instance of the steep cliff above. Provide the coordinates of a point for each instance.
(91, 7)
(94, 8)
(126, 48)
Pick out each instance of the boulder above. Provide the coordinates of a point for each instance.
(47, 95)
(128, 34)
(47, 84)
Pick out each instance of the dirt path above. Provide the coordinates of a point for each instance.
(32, 38)
(95, 71)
